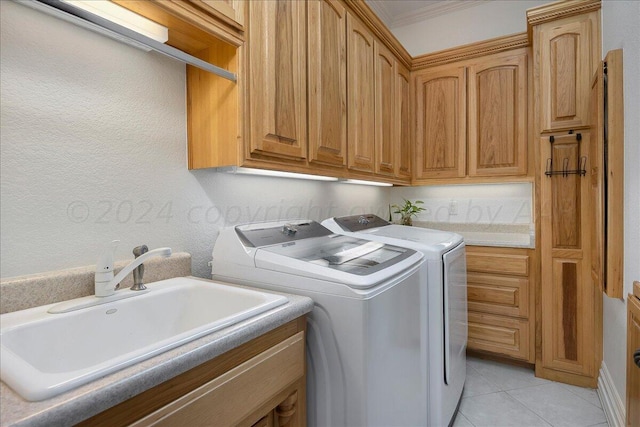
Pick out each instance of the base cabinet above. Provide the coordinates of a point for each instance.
(500, 289)
(633, 347)
(260, 383)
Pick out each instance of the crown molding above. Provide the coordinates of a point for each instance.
(473, 50)
(558, 10)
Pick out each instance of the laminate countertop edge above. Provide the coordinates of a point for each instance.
(90, 399)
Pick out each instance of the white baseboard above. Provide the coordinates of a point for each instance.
(612, 403)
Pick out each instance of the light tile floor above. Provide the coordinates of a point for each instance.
(498, 394)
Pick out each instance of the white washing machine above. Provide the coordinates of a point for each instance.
(446, 273)
(366, 338)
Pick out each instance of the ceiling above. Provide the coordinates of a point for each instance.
(398, 13)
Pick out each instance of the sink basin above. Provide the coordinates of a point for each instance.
(44, 354)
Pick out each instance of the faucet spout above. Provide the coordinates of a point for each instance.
(108, 287)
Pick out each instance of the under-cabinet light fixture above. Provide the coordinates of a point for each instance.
(121, 16)
(279, 174)
(123, 25)
(363, 182)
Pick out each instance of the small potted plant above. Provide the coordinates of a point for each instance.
(407, 210)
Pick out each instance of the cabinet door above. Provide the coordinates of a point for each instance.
(566, 67)
(233, 396)
(440, 123)
(385, 111)
(498, 115)
(276, 80)
(360, 96)
(327, 83)
(596, 179)
(571, 310)
(403, 101)
(232, 10)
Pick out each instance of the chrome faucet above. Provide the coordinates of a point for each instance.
(106, 284)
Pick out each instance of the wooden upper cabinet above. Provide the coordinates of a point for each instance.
(231, 11)
(566, 66)
(360, 96)
(403, 122)
(498, 115)
(327, 26)
(276, 79)
(440, 134)
(386, 141)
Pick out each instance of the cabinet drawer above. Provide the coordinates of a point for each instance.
(498, 334)
(517, 265)
(502, 295)
(231, 397)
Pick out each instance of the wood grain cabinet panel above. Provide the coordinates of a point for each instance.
(277, 80)
(403, 103)
(571, 303)
(596, 179)
(501, 335)
(500, 300)
(495, 294)
(606, 194)
(386, 113)
(232, 10)
(360, 96)
(231, 397)
(566, 66)
(501, 263)
(259, 382)
(498, 115)
(327, 27)
(440, 133)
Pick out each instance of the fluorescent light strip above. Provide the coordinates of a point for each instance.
(278, 174)
(124, 17)
(362, 182)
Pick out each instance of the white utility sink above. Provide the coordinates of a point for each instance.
(44, 354)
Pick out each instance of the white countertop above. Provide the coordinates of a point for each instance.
(502, 235)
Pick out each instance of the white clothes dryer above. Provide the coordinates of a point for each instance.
(446, 275)
(366, 338)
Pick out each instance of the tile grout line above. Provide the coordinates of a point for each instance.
(531, 409)
(576, 394)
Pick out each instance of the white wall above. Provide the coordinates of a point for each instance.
(621, 20)
(486, 21)
(93, 148)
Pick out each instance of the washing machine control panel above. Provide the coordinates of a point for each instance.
(355, 223)
(256, 235)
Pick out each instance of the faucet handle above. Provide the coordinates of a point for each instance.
(138, 272)
(104, 270)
